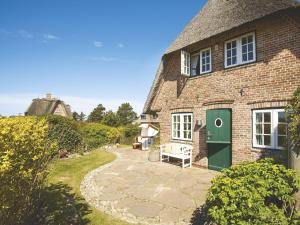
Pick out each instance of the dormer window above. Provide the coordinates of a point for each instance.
(200, 63)
(240, 50)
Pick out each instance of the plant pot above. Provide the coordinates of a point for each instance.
(154, 156)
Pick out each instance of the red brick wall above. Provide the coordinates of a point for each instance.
(269, 82)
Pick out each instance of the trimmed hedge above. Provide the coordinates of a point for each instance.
(66, 133)
(254, 193)
(129, 133)
(97, 135)
(25, 152)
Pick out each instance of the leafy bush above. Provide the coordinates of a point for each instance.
(294, 117)
(129, 133)
(97, 135)
(24, 155)
(66, 133)
(254, 193)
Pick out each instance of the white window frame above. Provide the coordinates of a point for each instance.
(181, 136)
(210, 61)
(274, 129)
(185, 63)
(239, 59)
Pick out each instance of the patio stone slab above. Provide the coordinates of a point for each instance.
(141, 192)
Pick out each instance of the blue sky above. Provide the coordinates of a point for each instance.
(86, 51)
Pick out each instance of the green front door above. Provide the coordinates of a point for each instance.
(218, 138)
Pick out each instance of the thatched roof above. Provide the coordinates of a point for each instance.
(215, 17)
(46, 106)
(218, 16)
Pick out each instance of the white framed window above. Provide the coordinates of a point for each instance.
(205, 59)
(269, 128)
(185, 63)
(240, 50)
(182, 126)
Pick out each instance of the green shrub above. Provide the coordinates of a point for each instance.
(294, 125)
(96, 135)
(129, 133)
(66, 133)
(25, 152)
(254, 193)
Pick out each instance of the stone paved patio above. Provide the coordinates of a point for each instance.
(138, 191)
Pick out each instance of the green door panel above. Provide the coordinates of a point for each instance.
(221, 133)
(219, 156)
(218, 138)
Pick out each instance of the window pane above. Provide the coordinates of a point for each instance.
(244, 57)
(234, 60)
(250, 38)
(258, 128)
(250, 47)
(267, 140)
(228, 45)
(233, 44)
(267, 128)
(259, 139)
(244, 41)
(228, 61)
(267, 117)
(234, 52)
(228, 53)
(244, 49)
(282, 129)
(207, 67)
(250, 56)
(281, 117)
(258, 117)
(281, 141)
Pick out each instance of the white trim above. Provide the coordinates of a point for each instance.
(181, 136)
(210, 61)
(274, 128)
(239, 60)
(185, 63)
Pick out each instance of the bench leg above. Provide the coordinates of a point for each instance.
(168, 158)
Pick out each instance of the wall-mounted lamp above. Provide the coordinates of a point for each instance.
(242, 92)
(198, 123)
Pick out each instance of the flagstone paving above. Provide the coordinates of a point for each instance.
(142, 192)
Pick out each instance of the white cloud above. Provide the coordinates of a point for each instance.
(25, 34)
(13, 104)
(103, 58)
(98, 44)
(120, 45)
(51, 37)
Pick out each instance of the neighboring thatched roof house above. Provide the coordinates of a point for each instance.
(48, 106)
(216, 17)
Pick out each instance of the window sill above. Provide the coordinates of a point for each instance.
(260, 149)
(240, 65)
(181, 140)
(201, 75)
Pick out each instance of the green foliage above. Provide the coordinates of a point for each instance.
(97, 114)
(129, 133)
(97, 135)
(110, 119)
(294, 117)
(25, 152)
(254, 193)
(66, 133)
(125, 114)
(76, 116)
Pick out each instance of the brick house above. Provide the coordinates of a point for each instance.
(223, 84)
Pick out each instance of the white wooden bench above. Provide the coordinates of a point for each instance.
(177, 150)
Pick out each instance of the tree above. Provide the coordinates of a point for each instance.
(110, 119)
(294, 118)
(97, 114)
(82, 117)
(76, 116)
(125, 114)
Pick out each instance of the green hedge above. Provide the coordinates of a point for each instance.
(97, 135)
(66, 133)
(129, 133)
(254, 193)
(25, 152)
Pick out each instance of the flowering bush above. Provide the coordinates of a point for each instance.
(24, 155)
(254, 193)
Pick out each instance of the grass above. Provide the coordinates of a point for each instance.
(62, 202)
